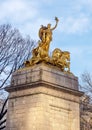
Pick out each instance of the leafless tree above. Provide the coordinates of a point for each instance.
(86, 84)
(85, 113)
(3, 113)
(14, 50)
(86, 101)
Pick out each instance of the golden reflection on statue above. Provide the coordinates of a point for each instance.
(45, 33)
(40, 53)
(59, 58)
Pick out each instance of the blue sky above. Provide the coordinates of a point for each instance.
(72, 34)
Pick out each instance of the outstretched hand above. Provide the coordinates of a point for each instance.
(56, 19)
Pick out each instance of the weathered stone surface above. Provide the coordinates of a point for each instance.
(45, 73)
(43, 98)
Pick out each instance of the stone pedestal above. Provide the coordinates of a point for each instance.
(43, 98)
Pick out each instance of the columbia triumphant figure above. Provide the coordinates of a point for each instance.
(59, 58)
(45, 34)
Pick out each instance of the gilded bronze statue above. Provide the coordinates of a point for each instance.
(45, 35)
(59, 58)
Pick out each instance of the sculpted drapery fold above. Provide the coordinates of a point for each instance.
(59, 58)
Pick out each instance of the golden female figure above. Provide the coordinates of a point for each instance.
(45, 34)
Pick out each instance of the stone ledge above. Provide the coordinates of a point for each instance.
(46, 85)
(46, 73)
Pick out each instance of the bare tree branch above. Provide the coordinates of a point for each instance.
(86, 101)
(14, 50)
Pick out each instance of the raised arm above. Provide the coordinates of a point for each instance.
(56, 19)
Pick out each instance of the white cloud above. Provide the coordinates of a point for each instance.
(79, 49)
(81, 5)
(75, 25)
(80, 58)
(28, 15)
(47, 1)
(17, 11)
(22, 11)
(86, 3)
(32, 28)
